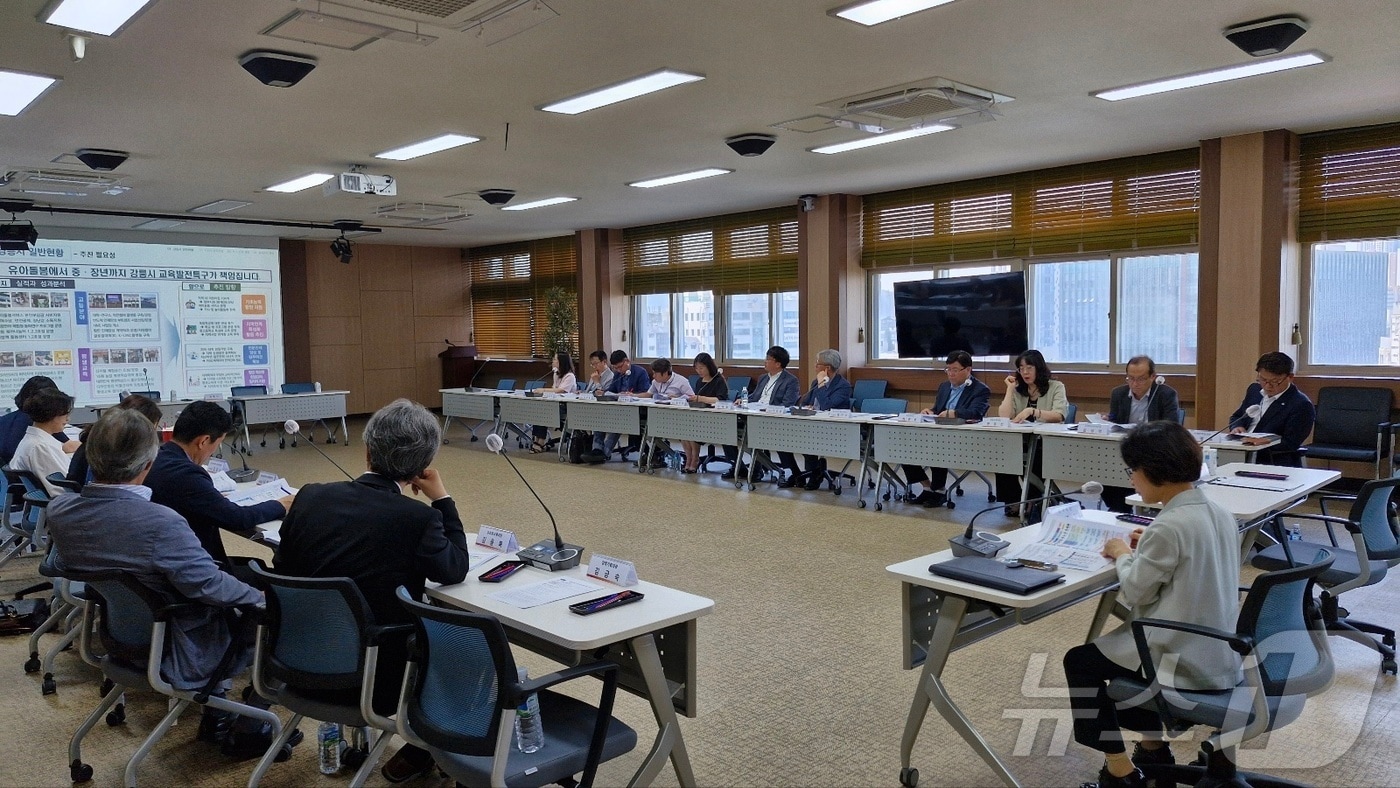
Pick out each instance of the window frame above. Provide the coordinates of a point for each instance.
(1116, 260)
(721, 322)
(1305, 364)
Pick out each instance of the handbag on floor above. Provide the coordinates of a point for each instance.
(22, 616)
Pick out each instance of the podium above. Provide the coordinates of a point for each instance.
(458, 366)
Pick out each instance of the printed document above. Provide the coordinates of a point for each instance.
(543, 593)
(264, 492)
(1072, 541)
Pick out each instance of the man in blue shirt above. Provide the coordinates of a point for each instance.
(960, 396)
(628, 378)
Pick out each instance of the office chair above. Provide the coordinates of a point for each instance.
(1181, 415)
(1286, 660)
(862, 390)
(1375, 548)
(131, 620)
(240, 417)
(153, 396)
(1071, 413)
(24, 520)
(1353, 425)
(319, 635)
(63, 482)
(506, 384)
(531, 385)
(66, 610)
(694, 381)
(739, 383)
(460, 695)
(899, 489)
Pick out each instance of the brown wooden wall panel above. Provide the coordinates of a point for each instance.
(334, 331)
(339, 367)
(333, 288)
(387, 340)
(435, 329)
(296, 334)
(439, 285)
(383, 386)
(427, 374)
(383, 267)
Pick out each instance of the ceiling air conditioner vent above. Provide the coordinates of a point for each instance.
(453, 14)
(934, 98)
(421, 214)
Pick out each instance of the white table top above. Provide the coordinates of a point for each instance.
(553, 622)
(915, 571)
(1247, 503)
(274, 395)
(1220, 441)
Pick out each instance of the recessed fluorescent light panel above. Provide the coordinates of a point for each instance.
(632, 88)
(220, 206)
(882, 139)
(18, 90)
(434, 145)
(99, 17)
(525, 206)
(873, 12)
(304, 182)
(157, 224)
(1252, 69)
(681, 178)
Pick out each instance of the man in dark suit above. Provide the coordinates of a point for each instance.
(177, 481)
(829, 391)
(961, 396)
(1273, 404)
(776, 387)
(628, 378)
(1140, 400)
(369, 531)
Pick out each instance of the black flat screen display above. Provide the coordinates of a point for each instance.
(984, 315)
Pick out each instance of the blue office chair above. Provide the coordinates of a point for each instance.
(1071, 413)
(694, 381)
(1375, 548)
(153, 396)
(878, 405)
(531, 385)
(867, 389)
(460, 693)
(1286, 661)
(131, 620)
(240, 418)
(738, 383)
(506, 384)
(317, 639)
(1181, 415)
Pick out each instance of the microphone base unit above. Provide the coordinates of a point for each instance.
(244, 475)
(545, 555)
(981, 544)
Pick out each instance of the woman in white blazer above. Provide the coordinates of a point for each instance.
(1184, 567)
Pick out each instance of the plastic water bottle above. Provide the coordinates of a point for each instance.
(1211, 459)
(1295, 532)
(529, 730)
(744, 397)
(328, 746)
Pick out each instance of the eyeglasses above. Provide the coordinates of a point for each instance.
(1272, 383)
(951, 368)
(1143, 379)
(1130, 472)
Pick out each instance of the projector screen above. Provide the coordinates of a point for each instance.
(104, 317)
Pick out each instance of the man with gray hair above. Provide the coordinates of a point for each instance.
(369, 531)
(113, 526)
(829, 391)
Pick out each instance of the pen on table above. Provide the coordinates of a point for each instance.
(285, 488)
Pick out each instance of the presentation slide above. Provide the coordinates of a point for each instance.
(101, 318)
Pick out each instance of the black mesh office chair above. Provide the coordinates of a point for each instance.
(1353, 425)
(1286, 661)
(1374, 549)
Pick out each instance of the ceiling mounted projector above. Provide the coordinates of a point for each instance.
(751, 144)
(277, 69)
(101, 159)
(18, 236)
(496, 196)
(1268, 36)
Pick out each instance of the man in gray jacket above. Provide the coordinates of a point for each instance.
(112, 526)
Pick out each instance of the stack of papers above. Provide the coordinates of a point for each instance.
(1071, 541)
(264, 492)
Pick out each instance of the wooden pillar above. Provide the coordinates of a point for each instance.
(602, 305)
(830, 280)
(1249, 264)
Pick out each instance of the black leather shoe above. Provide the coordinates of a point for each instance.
(791, 481)
(935, 499)
(727, 475)
(814, 481)
(407, 763)
(1146, 760)
(595, 458)
(922, 498)
(1106, 780)
(244, 744)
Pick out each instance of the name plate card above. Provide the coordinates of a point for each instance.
(910, 417)
(497, 539)
(613, 570)
(996, 421)
(1106, 428)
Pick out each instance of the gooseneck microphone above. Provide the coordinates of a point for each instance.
(245, 475)
(480, 366)
(550, 556)
(293, 428)
(148, 381)
(988, 545)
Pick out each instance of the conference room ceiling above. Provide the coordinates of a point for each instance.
(169, 90)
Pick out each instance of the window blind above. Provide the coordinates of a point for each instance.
(752, 252)
(1349, 184)
(509, 287)
(1136, 202)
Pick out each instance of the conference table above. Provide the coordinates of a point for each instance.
(279, 408)
(169, 411)
(653, 642)
(940, 615)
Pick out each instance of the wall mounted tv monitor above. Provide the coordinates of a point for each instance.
(984, 315)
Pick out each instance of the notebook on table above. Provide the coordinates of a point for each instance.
(992, 573)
